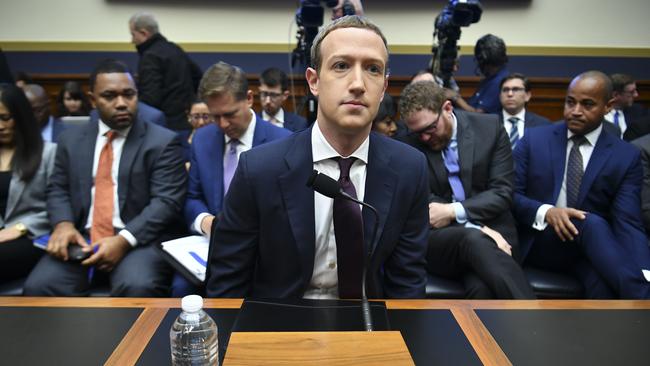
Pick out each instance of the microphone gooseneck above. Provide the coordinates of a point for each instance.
(329, 187)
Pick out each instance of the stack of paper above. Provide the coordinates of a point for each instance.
(191, 252)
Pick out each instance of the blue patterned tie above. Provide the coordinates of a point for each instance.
(348, 231)
(514, 132)
(616, 121)
(574, 171)
(450, 158)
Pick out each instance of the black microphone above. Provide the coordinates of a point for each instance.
(329, 187)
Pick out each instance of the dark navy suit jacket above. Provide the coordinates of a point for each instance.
(610, 188)
(205, 189)
(264, 245)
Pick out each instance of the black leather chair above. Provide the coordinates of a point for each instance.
(553, 285)
(15, 288)
(545, 284)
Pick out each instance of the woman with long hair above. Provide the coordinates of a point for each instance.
(25, 166)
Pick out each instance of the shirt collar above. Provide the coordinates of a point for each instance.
(278, 116)
(322, 150)
(454, 126)
(521, 115)
(103, 128)
(592, 136)
(247, 138)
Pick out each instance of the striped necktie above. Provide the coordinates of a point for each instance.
(514, 132)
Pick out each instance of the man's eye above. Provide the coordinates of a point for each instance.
(375, 69)
(340, 66)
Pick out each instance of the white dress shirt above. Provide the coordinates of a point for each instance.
(622, 124)
(245, 144)
(586, 150)
(277, 120)
(324, 279)
(520, 121)
(117, 145)
(47, 132)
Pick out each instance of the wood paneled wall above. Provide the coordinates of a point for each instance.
(547, 100)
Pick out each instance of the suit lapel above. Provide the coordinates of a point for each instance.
(84, 166)
(16, 188)
(599, 157)
(465, 137)
(298, 199)
(217, 148)
(260, 133)
(557, 147)
(380, 195)
(129, 152)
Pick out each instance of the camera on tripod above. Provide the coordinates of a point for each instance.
(457, 14)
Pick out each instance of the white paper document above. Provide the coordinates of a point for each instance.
(191, 252)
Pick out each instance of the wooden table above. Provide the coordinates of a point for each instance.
(499, 332)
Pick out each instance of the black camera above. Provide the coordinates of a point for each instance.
(456, 14)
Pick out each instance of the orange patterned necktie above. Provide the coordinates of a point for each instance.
(102, 225)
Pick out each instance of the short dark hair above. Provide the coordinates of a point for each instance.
(273, 77)
(108, 66)
(386, 108)
(27, 132)
(75, 91)
(619, 81)
(490, 50)
(516, 75)
(419, 96)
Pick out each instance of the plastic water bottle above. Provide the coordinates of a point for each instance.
(193, 336)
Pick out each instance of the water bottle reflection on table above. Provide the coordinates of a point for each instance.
(194, 335)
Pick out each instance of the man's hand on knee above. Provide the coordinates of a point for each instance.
(499, 239)
(108, 253)
(64, 234)
(560, 219)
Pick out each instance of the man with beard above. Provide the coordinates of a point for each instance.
(577, 197)
(120, 182)
(473, 236)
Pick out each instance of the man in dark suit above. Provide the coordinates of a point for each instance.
(643, 143)
(167, 76)
(280, 239)
(274, 91)
(50, 127)
(514, 93)
(236, 129)
(473, 235)
(577, 197)
(624, 112)
(123, 182)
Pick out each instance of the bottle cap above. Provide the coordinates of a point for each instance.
(192, 303)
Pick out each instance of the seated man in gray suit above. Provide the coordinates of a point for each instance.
(473, 236)
(123, 182)
(514, 94)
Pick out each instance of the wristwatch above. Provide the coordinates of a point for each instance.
(21, 228)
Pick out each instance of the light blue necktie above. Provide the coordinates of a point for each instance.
(450, 158)
(229, 164)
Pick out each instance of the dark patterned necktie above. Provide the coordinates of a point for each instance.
(348, 231)
(574, 171)
(514, 132)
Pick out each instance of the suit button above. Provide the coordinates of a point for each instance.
(332, 265)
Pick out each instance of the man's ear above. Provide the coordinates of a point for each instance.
(249, 98)
(312, 79)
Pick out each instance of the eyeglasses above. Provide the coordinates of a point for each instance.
(6, 117)
(514, 90)
(429, 128)
(272, 95)
(199, 116)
